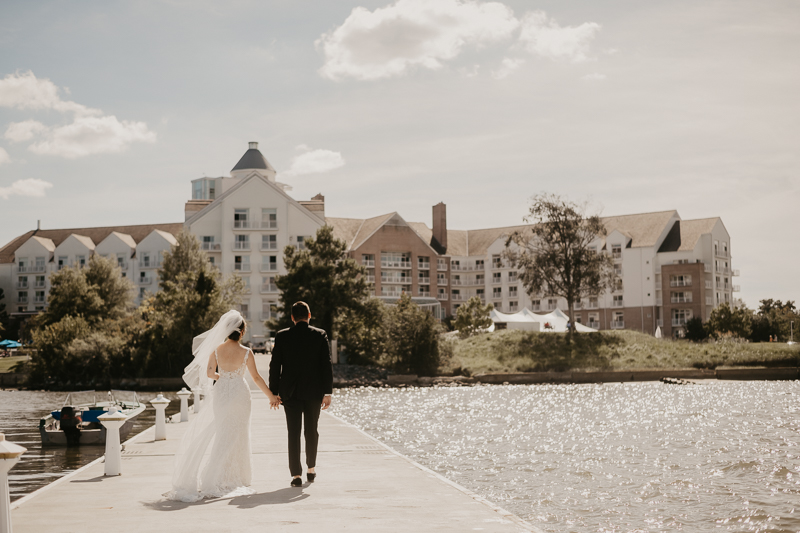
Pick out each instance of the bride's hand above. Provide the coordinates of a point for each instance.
(274, 401)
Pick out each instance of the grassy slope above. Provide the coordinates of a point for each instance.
(6, 363)
(518, 351)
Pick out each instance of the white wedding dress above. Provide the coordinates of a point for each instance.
(214, 458)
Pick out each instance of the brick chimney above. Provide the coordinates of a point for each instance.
(440, 226)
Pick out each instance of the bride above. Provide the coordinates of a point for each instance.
(213, 459)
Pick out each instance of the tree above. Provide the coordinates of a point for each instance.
(555, 255)
(97, 292)
(323, 277)
(695, 329)
(733, 321)
(362, 332)
(412, 338)
(773, 319)
(192, 298)
(473, 316)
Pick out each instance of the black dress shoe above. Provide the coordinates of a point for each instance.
(311, 477)
(297, 482)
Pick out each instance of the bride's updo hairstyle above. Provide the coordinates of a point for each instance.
(238, 333)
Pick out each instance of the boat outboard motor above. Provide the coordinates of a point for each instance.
(69, 425)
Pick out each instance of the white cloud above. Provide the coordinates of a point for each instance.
(26, 91)
(24, 131)
(28, 187)
(392, 40)
(315, 161)
(90, 132)
(594, 76)
(507, 66)
(4, 158)
(92, 135)
(542, 36)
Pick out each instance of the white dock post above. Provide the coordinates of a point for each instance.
(196, 404)
(112, 421)
(160, 404)
(9, 455)
(184, 394)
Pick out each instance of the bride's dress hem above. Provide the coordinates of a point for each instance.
(194, 496)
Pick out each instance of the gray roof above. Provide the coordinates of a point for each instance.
(253, 158)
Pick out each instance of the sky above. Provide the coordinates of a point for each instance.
(108, 109)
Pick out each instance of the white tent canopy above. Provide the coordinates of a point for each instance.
(526, 319)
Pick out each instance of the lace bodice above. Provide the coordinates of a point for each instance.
(239, 372)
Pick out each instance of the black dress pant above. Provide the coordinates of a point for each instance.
(302, 414)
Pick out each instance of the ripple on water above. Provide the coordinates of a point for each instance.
(610, 458)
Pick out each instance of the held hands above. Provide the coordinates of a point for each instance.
(274, 401)
(326, 402)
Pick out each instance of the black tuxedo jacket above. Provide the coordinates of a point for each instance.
(301, 363)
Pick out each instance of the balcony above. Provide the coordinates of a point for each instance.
(659, 301)
(39, 285)
(369, 263)
(211, 247)
(396, 264)
(149, 264)
(424, 294)
(721, 253)
(39, 299)
(21, 285)
(144, 280)
(737, 288)
(735, 272)
(424, 281)
(441, 297)
(593, 325)
(681, 299)
(391, 294)
(269, 224)
(241, 267)
(121, 264)
(591, 305)
(22, 300)
(441, 267)
(457, 297)
(442, 282)
(551, 307)
(269, 267)
(535, 307)
(456, 282)
(480, 282)
(245, 246)
(369, 279)
(267, 246)
(709, 284)
(423, 265)
(396, 281)
(516, 295)
(497, 265)
(616, 255)
(497, 281)
(707, 268)
(242, 224)
(709, 300)
(679, 322)
(268, 288)
(617, 324)
(618, 303)
(680, 283)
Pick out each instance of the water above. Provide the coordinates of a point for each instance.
(606, 458)
(20, 412)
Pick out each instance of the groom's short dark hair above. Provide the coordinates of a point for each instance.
(300, 311)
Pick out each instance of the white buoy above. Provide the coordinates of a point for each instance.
(112, 421)
(9, 455)
(160, 404)
(184, 394)
(196, 404)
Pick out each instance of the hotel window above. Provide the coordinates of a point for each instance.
(497, 262)
(512, 292)
(578, 319)
(268, 284)
(593, 303)
(270, 263)
(240, 218)
(121, 261)
(725, 247)
(618, 270)
(594, 319)
(456, 294)
(551, 303)
(513, 305)
(536, 305)
(145, 261)
(241, 263)
(479, 279)
(423, 263)
(22, 283)
(208, 242)
(269, 218)
(680, 316)
(301, 242)
(80, 260)
(497, 277)
(211, 260)
(616, 251)
(241, 242)
(38, 297)
(441, 264)
(22, 297)
(40, 262)
(245, 310)
(481, 293)
(40, 282)
(395, 259)
(479, 264)
(497, 292)
(62, 261)
(618, 301)
(22, 265)
(512, 277)
(455, 265)
(269, 242)
(141, 292)
(442, 294)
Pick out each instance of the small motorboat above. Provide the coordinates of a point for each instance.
(85, 405)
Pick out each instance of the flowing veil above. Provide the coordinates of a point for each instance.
(191, 456)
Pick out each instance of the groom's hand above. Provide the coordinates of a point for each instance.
(326, 402)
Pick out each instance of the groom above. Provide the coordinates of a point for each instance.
(300, 373)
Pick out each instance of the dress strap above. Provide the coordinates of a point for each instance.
(216, 355)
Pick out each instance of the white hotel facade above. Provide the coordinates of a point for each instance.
(668, 269)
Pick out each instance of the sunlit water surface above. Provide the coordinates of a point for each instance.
(717, 456)
(20, 412)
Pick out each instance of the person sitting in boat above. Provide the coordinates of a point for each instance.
(69, 425)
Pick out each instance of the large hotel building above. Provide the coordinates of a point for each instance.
(667, 269)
